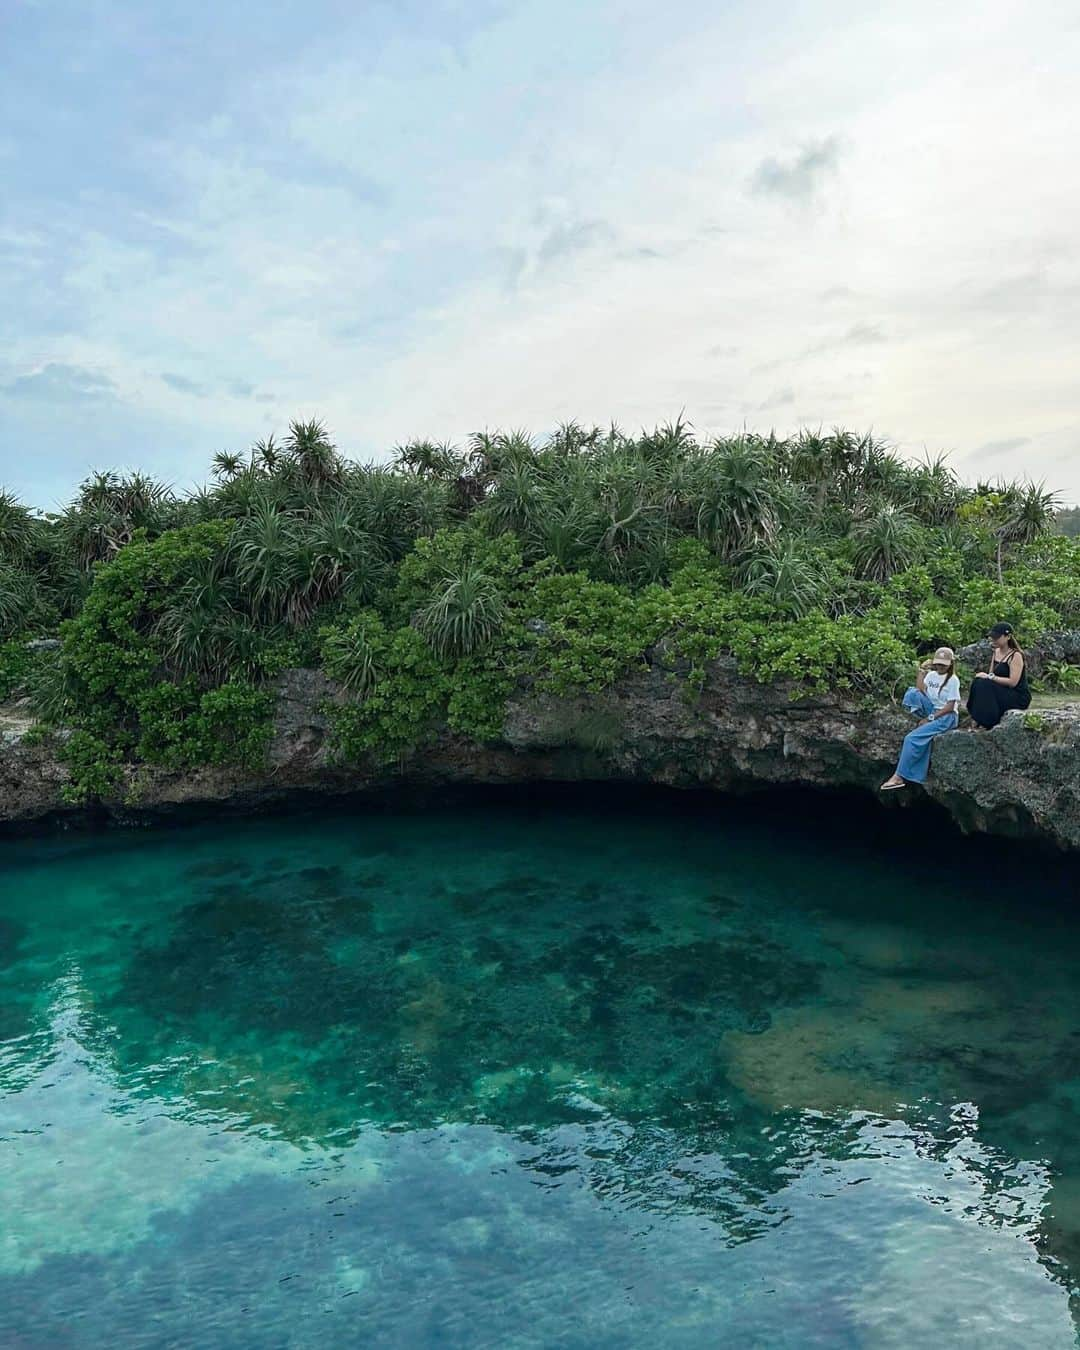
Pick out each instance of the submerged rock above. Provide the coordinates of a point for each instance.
(1022, 779)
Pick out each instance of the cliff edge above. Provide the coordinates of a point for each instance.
(1022, 779)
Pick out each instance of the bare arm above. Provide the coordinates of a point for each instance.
(1016, 669)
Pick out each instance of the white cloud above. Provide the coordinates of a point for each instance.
(851, 216)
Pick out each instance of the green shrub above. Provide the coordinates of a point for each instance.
(95, 765)
(179, 727)
(16, 666)
(403, 708)
(432, 590)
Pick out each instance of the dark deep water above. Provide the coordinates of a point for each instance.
(661, 1072)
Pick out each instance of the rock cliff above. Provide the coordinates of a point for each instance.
(1022, 779)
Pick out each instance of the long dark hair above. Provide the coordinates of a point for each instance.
(1001, 630)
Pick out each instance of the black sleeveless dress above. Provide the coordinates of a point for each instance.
(989, 702)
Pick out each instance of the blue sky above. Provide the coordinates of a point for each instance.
(421, 218)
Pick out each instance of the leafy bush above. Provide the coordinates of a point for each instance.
(95, 765)
(16, 665)
(403, 707)
(433, 589)
(180, 727)
(1061, 677)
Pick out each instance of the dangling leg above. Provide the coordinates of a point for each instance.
(918, 703)
(915, 754)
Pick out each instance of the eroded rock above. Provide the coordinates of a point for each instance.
(1021, 779)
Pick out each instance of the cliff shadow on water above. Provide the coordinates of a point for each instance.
(849, 821)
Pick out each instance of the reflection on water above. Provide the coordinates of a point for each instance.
(680, 1075)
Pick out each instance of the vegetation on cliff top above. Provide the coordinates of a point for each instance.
(432, 587)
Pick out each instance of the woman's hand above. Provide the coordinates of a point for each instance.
(983, 675)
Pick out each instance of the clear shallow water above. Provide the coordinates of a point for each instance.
(682, 1074)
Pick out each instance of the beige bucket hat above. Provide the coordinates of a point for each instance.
(944, 656)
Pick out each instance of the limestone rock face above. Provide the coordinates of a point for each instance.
(1022, 778)
(651, 727)
(32, 779)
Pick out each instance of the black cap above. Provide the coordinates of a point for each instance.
(1001, 630)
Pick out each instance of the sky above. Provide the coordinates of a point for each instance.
(422, 218)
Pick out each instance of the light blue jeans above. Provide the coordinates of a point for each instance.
(915, 755)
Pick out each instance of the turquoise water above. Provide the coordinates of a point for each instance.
(535, 1073)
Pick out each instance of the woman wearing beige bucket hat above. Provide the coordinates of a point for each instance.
(934, 697)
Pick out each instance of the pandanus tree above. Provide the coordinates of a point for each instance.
(931, 492)
(312, 455)
(266, 456)
(1030, 513)
(429, 459)
(738, 507)
(811, 460)
(667, 443)
(20, 531)
(227, 465)
(346, 558)
(396, 509)
(787, 574)
(109, 509)
(887, 540)
(568, 531)
(630, 511)
(518, 500)
(571, 438)
(194, 622)
(1013, 513)
(465, 614)
(263, 557)
(19, 600)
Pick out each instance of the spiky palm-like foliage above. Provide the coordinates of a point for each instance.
(350, 657)
(788, 575)
(931, 491)
(885, 542)
(20, 532)
(429, 459)
(263, 557)
(347, 557)
(266, 455)
(53, 689)
(194, 621)
(518, 500)
(738, 507)
(666, 443)
(571, 438)
(396, 509)
(465, 615)
(108, 510)
(227, 465)
(568, 531)
(312, 455)
(1030, 512)
(19, 600)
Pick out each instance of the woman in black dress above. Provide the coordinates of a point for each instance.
(1003, 686)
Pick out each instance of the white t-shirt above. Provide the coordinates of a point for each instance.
(940, 690)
